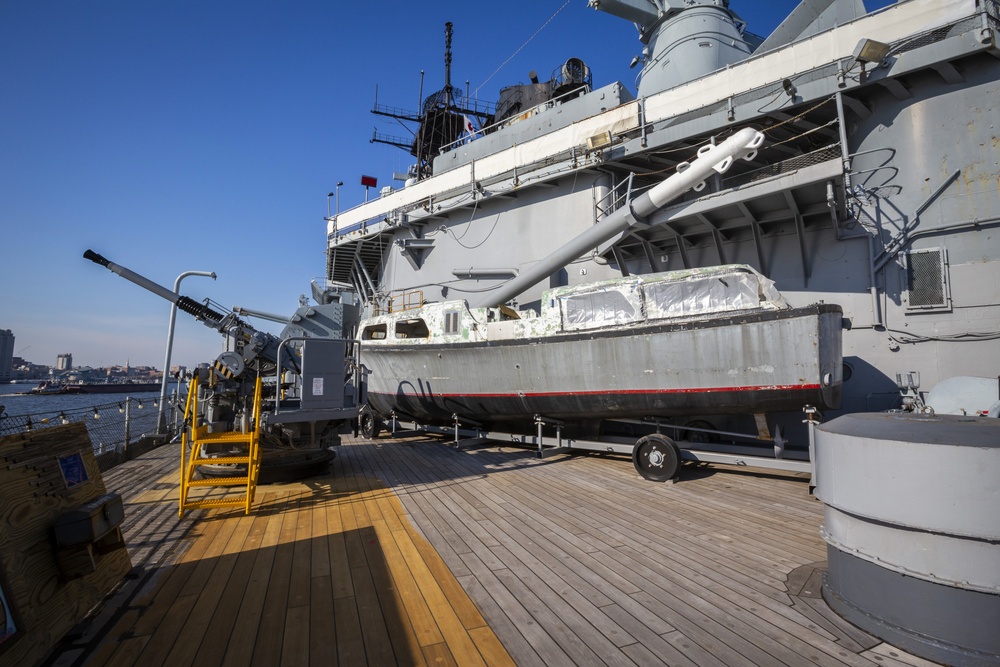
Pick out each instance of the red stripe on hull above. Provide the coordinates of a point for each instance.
(635, 392)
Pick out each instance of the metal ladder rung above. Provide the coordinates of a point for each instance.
(236, 501)
(220, 481)
(220, 460)
(211, 438)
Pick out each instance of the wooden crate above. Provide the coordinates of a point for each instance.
(44, 474)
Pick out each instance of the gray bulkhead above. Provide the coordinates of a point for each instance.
(898, 225)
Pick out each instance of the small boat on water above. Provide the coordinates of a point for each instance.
(669, 344)
(56, 387)
(48, 388)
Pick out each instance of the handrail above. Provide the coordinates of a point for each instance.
(187, 426)
(354, 346)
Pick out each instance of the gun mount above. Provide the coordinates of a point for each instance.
(311, 375)
(247, 345)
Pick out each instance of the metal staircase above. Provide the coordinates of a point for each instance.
(191, 456)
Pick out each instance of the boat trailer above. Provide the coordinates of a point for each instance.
(656, 456)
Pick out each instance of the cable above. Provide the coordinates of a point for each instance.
(485, 239)
(504, 64)
(906, 337)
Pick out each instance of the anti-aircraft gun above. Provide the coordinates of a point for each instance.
(310, 376)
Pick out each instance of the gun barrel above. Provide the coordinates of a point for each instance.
(132, 276)
(200, 311)
(249, 312)
(743, 144)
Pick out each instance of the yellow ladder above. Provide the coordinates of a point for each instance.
(191, 456)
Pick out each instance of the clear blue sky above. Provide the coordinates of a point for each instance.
(177, 136)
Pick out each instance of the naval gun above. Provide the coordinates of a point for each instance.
(249, 345)
(311, 376)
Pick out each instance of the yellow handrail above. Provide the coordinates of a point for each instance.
(253, 467)
(188, 427)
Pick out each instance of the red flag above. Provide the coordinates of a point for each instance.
(369, 181)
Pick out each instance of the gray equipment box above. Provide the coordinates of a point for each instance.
(323, 374)
(89, 523)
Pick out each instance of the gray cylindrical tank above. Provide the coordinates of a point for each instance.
(912, 526)
(692, 43)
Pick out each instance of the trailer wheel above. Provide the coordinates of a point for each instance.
(701, 437)
(368, 423)
(656, 457)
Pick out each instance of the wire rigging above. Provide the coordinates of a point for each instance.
(504, 63)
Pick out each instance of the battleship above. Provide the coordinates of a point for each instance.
(859, 196)
(875, 190)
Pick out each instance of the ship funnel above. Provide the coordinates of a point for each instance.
(688, 176)
(684, 39)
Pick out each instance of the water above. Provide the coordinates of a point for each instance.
(113, 421)
(41, 405)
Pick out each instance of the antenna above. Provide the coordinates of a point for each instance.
(447, 60)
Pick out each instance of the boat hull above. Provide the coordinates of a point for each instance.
(751, 363)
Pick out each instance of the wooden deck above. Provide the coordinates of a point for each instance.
(411, 552)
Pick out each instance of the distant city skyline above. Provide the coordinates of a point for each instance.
(64, 360)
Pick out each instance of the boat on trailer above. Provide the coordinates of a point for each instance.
(720, 339)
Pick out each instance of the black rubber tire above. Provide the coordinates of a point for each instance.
(700, 437)
(656, 458)
(369, 423)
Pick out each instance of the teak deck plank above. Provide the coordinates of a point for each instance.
(212, 651)
(239, 648)
(270, 636)
(413, 552)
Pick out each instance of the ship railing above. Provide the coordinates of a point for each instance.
(565, 161)
(818, 156)
(395, 112)
(576, 92)
(619, 195)
(626, 189)
(464, 104)
(392, 140)
(400, 301)
(119, 431)
(477, 106)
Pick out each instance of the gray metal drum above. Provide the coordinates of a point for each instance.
(691, 44)
(912, 526)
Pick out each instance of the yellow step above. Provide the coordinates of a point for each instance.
(220, 481)
(236, 501)
(221, 460)
(234, 437)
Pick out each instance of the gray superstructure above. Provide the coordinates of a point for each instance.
(876, 188)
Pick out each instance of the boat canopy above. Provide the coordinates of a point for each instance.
(693, 293)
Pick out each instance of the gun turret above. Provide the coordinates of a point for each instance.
(248, 344)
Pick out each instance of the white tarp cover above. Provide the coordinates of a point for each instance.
(691, 293)
(616, 304)
(713, 293)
